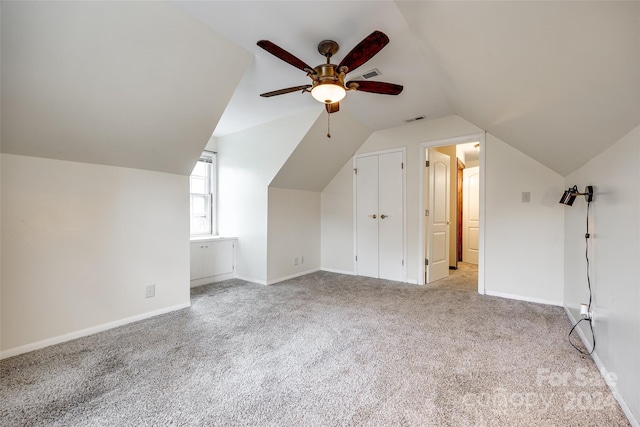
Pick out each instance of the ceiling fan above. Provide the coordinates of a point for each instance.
(327, 80)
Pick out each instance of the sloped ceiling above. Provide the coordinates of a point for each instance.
(144, 84)
(317, 159)
(298, 27)
(134, 84)
(559, 81)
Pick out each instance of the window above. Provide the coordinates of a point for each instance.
(202, 185)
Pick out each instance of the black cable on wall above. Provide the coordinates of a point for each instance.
(588, 318)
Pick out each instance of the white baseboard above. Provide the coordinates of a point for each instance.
(522, 298)
(252, 280)
(89, 331)
(352, 273)
(333, 270)
(212, 279)
(603, 371)
(292, 276)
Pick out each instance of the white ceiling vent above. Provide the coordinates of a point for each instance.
(415, 119)
(368, 75)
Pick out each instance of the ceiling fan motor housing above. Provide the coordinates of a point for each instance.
(327, 73)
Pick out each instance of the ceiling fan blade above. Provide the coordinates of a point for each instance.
(332, 108)
(365, 50)
(279, 52)
(375, 87)
(283, 91)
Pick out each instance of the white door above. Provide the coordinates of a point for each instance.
(438, 219)
(470, 214)
(380, 216)
(391, 219)
(367, 216)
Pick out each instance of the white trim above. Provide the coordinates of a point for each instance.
(89, 331)
(412, 281)
(603, 371)
(354, 220)
(252, 280)
(292, 276)
(481, 254)
(481, 137)
(405, 247)
(379, 152)
(211, 279)
(333, 270)
(523, 298)
(210, 238)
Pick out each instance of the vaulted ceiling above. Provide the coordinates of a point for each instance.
(127, 84)
(560, 81)
(143, 84)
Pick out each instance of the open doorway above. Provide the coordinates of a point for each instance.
(452, 201)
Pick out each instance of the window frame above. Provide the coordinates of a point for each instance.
(210, 158)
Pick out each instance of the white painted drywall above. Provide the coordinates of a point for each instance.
(293, 232)
(523, 241)
(0, 190)
(614, 258)
(80, 242)
(247, 163)
(317, 159)
(337, 222)
(133, 84)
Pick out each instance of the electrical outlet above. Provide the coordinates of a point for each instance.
(150, 291)
(302, 259)
(295, 261)
(526, 197)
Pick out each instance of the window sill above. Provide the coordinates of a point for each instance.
(210, 237)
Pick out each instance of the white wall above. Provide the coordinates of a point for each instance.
(337, 222)
(293, 232)
(523, 241)
(79, 244)
(247, 163)
(0, 193)
(317, 159)
(614, 258)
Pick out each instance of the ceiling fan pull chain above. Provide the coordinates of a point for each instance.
(328, 124)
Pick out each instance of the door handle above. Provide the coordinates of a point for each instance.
(383, 216)
(374, 216)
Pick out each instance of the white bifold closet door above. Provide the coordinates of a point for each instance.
(380, 216)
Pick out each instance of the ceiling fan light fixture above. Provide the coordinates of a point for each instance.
(328, 92)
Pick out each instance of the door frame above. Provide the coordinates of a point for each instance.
(402, 150)
(481, 137)
(459, 201)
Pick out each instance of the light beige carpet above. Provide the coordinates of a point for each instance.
(321, 350)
